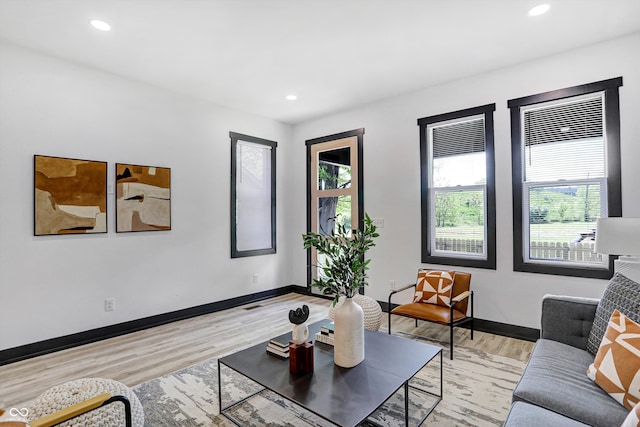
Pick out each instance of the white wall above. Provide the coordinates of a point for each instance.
(53, 286)
(391, 172)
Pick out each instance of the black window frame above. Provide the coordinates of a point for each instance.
(490, 216)
(614, 180)
(235, 138)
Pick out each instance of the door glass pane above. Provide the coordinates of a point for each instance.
(459, 221)
(334, 169)
(333, 211)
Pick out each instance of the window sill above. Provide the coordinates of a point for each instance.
(541, 268)
(460, 262)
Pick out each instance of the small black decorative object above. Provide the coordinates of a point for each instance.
(299, 315)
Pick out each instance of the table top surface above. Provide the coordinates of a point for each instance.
(344, 396)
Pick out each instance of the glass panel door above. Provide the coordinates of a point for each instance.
(335, 187)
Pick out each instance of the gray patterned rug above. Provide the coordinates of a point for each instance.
(477, 392)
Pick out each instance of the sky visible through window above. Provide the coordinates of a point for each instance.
(463, 169)
(578, 159)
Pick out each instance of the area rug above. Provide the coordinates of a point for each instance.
(477, 392)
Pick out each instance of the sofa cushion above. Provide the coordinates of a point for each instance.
(434, 287)
(525, 415)
(616, 368)
(555, 378)
(622, 294)
(568, 319)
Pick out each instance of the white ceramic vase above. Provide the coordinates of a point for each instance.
(348, 349)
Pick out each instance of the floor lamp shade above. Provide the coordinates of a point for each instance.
(620, 236)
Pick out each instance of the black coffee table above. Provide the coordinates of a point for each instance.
(345, 397)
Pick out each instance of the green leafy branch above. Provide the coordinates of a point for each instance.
(345, 269)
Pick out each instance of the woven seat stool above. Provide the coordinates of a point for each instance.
(64, 395)
(370, 307)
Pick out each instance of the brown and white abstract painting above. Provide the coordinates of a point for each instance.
(143, 198)
(70, 196)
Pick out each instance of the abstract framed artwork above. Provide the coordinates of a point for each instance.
(70, 196)
(143, 198)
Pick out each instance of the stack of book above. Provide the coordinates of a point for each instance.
(326, 334)
(278, 348)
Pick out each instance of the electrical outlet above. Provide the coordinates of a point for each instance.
(255, 279)
(378, 222)
(392, 285)
(109, 304)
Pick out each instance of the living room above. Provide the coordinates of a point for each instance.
(56, 286)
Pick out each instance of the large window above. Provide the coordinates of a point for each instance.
(566, 175)
(253, 196)
(458, 188)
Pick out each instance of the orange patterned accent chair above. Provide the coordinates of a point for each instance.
(442, 297)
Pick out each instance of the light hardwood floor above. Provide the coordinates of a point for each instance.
(140, 356)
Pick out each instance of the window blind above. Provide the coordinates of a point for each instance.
(564, 122)
(565, 141)
(458, 138)
(253, 196)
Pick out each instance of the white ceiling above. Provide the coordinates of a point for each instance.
(249, 54)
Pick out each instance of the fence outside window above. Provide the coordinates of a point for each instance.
(573, 251)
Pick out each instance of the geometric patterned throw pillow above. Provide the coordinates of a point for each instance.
(616, 368)
(434, 287)
(633, 419)
(621, 294)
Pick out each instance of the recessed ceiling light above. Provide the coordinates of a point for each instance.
(291, 97)
(539, 10)
(100, 25)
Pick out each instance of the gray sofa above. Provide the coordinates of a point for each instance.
(554, 389)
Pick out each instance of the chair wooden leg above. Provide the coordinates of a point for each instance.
(389, 319)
